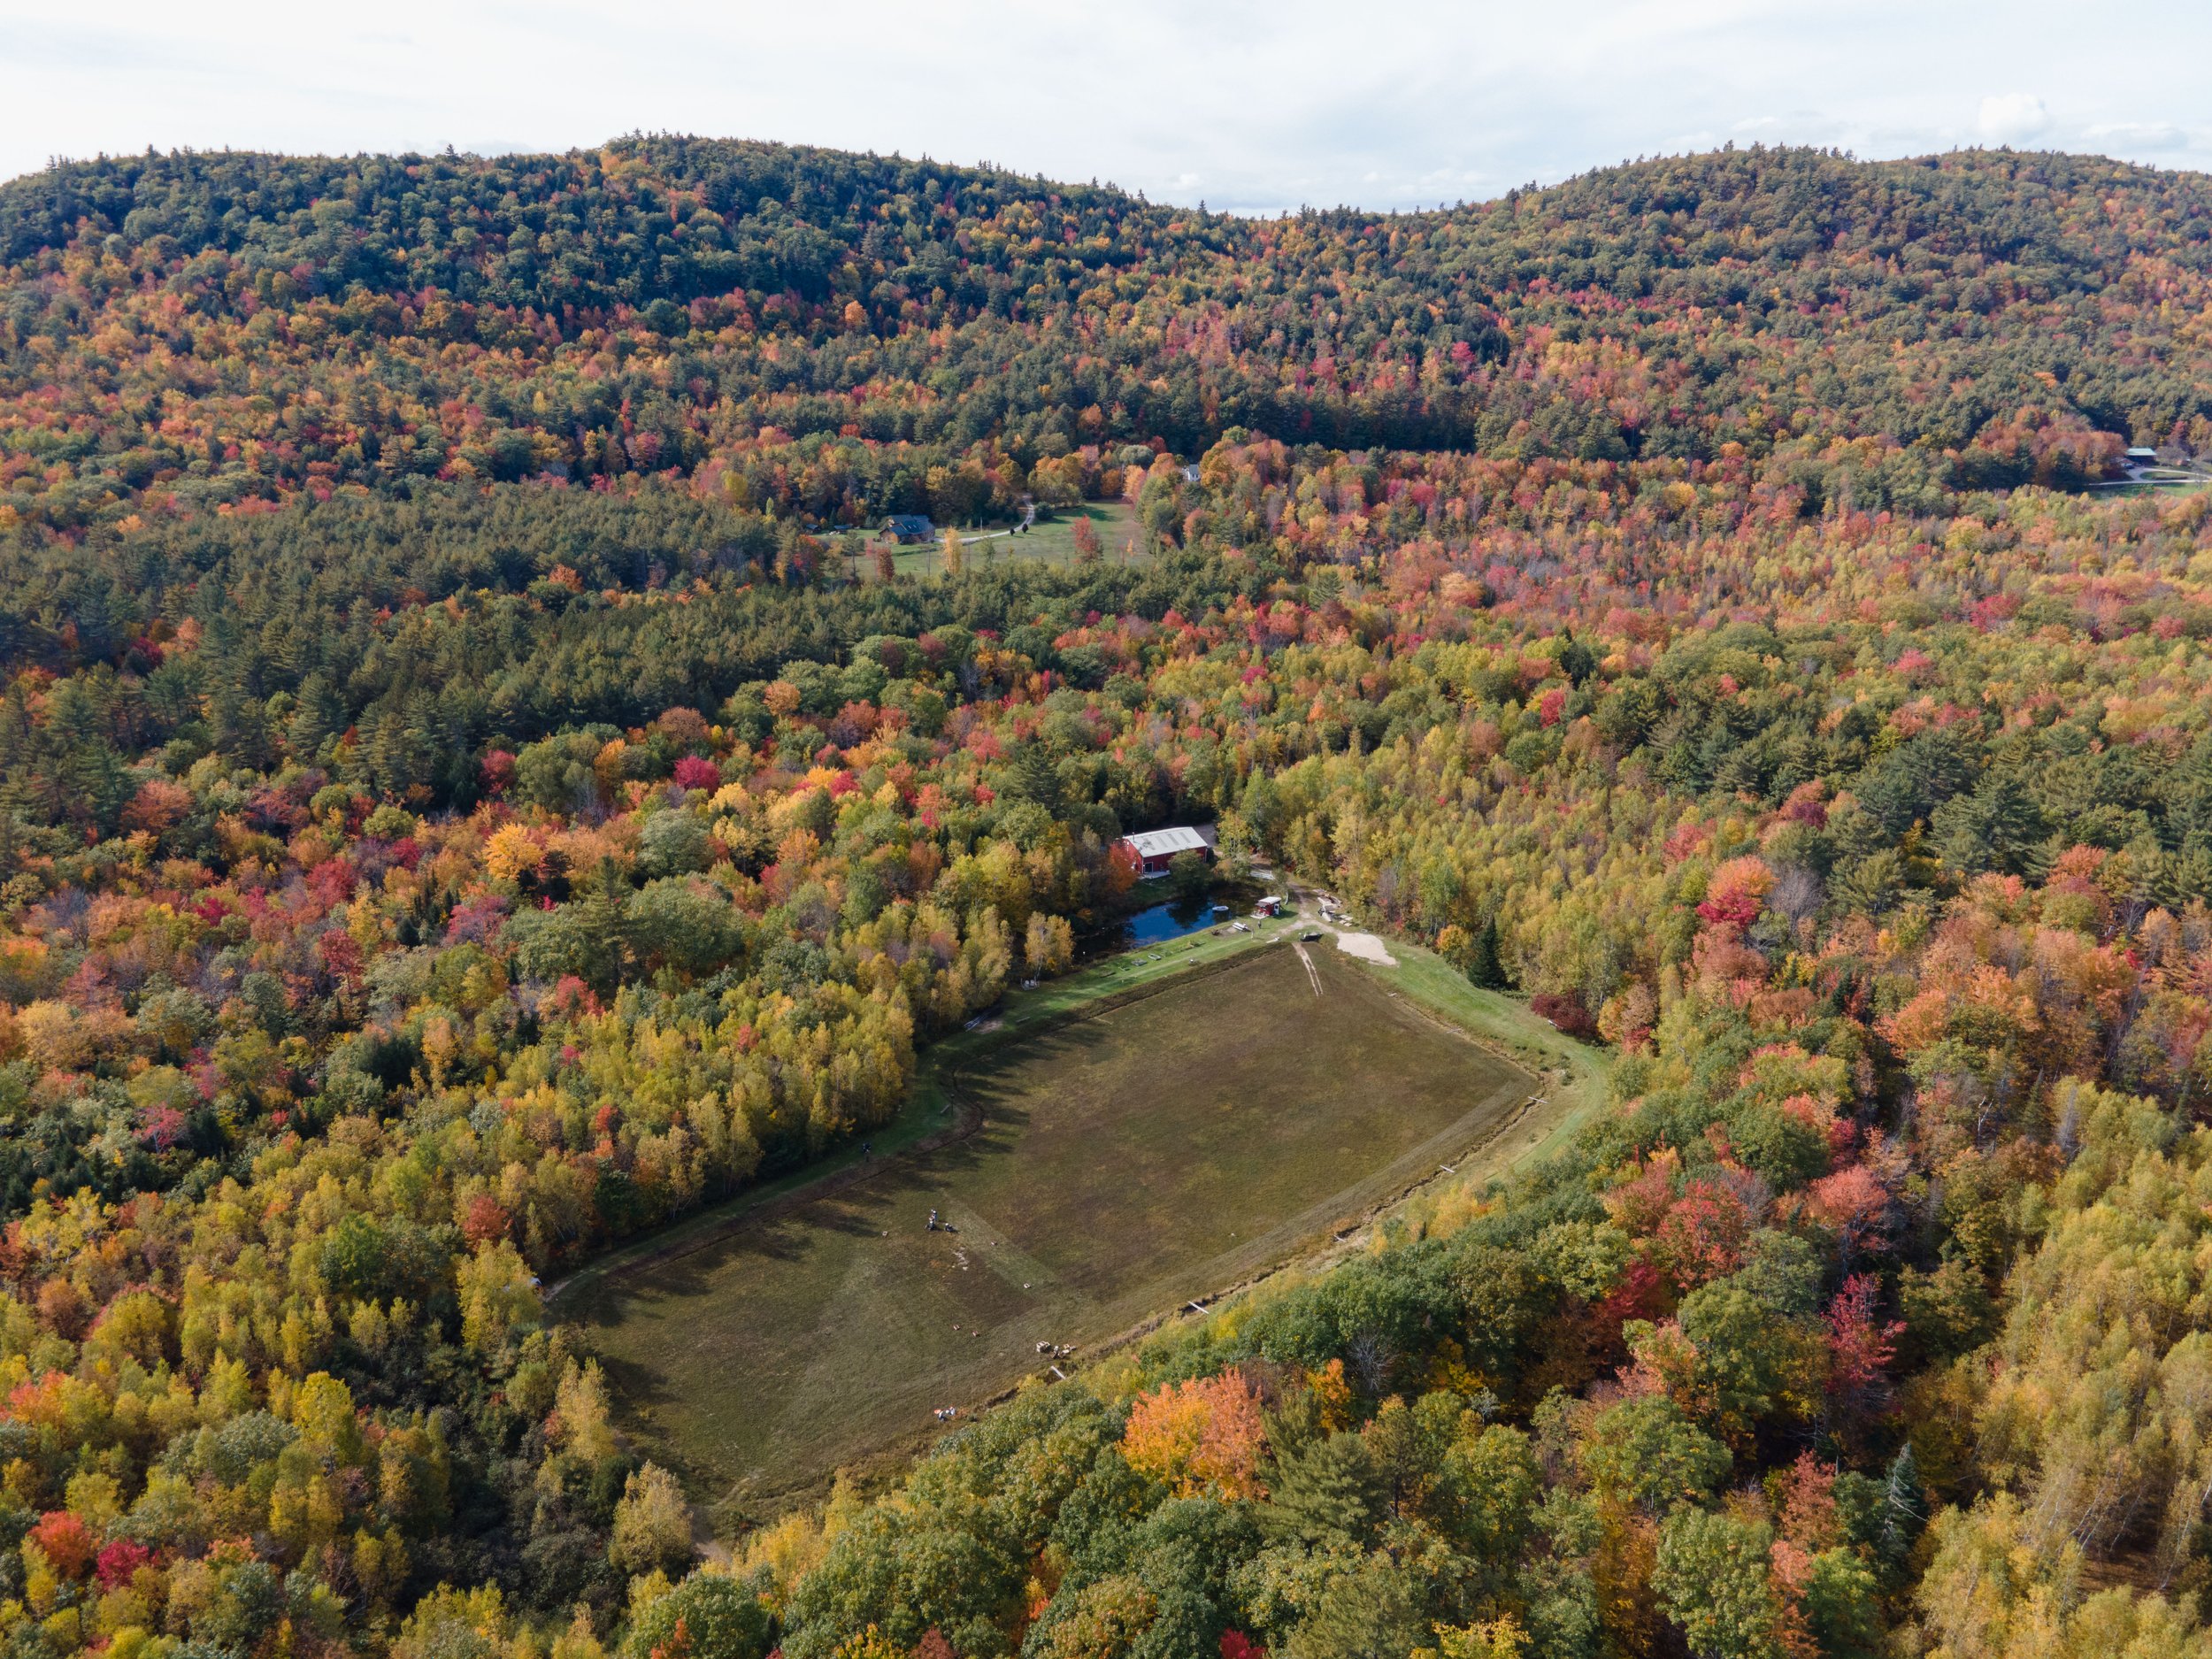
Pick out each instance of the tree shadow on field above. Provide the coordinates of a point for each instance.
(686, 1273)
(1068, 1040)
(1000, 1089)
(1002, 1128)
(638, 1386)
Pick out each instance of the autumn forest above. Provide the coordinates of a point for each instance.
(475, 791)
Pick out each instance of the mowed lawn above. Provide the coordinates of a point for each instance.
(1127, 1160)
(1049, 541)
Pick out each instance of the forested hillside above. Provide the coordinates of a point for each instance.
(461, 807)
(823, 330)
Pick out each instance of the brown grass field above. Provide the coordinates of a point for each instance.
(1146, 1149)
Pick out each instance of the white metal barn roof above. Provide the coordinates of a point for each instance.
(1165, 844)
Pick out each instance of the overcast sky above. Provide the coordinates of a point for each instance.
(1248, 104)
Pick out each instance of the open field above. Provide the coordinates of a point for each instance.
(1045, 542)
(1053, 542)
(1572, 1076)
(2161, 480)
(1169, 1140)
(928, 1114)
(1574, 1073)
(2180, 484)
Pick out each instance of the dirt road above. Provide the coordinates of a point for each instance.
(1366, 947)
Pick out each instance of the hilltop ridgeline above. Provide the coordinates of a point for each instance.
(210, 327)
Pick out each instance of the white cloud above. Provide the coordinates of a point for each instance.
(2012, 118)
(1250, 103)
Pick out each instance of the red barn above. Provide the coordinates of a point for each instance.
(1157, 848)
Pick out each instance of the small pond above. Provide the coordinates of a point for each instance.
(1163, 922)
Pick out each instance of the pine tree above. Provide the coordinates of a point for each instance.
(1576, 660)
(1485, 967)
(1904, 1507)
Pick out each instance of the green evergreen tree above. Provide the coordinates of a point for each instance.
(1485, 967)
(1329, 1495)
(1904, 1507)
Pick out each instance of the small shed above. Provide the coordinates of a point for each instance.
(1156, 850)
(909, 526)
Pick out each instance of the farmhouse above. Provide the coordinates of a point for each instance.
(1157, 848)
(909, 526)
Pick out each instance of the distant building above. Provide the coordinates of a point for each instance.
(1156, 850)
(909, 526)
(2139, 456)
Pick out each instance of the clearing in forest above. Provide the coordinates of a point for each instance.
(1151, 1148)
(1050, 541)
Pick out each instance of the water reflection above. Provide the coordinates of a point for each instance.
(1163, 922)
